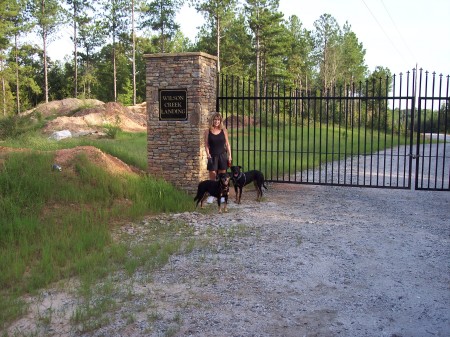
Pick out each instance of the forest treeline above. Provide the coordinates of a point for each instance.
(251, 39)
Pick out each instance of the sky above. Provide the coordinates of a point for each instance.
(398, 34)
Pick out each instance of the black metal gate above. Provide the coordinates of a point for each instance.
(374, 134)
(432, 154)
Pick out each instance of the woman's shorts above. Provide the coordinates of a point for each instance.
(218, 162)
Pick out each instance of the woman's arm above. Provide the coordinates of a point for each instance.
(208, 155)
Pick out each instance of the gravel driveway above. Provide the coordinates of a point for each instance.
(306, 261)
(315, 261)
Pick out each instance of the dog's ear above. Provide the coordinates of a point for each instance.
(240, 167)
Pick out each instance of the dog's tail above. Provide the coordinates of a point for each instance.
(197, 199)
(263, 182)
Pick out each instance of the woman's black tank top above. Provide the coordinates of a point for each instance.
(216, 143)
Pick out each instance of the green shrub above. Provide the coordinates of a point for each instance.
(112, 130)
(14, 126)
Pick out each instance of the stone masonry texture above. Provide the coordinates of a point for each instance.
(176, 148)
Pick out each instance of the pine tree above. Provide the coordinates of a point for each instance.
(78, 17)
(159, 15)
(326, 35)
(298, 62)
(218, 14)
(264, 21)
(237, 53)
(8, 11)
(48, 16)
(351, 63)
(116, 21)
(90, 36)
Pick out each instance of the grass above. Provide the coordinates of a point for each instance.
(289, 149)
(56, 225)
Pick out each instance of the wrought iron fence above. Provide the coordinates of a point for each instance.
(355, 135)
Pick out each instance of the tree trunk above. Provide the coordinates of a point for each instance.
(44, 43)
(163, 40)
(45, 69)
(218, 44)
(258, 66)
(3, 87)
(88, 80)
(114, 69)
(258, 57)
(17, 75)
(134, 52)
(75, 61)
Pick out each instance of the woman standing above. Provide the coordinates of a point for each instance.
(217, 146)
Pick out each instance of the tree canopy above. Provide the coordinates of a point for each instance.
(251, 39)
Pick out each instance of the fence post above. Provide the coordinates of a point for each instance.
(180, 96)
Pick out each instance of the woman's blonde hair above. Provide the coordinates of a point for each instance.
(211, 120)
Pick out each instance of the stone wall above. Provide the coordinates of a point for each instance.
(176, 148)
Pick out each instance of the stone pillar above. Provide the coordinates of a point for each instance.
(175, 132)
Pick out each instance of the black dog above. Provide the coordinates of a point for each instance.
(240, 179)
(216, 188)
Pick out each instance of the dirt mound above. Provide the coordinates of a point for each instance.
(114, 113)
(139, 108)
(94, 119)
(240, 121)
(66, 159)
(65, 106)
(75, 125)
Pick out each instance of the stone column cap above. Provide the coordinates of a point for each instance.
(186, 54)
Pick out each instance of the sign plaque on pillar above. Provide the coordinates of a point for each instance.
(173, 105)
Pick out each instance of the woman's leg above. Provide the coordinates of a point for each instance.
(212, 175)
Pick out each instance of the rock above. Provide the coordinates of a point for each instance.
(58, 135)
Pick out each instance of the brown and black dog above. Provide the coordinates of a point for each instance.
(216, 188)
(240, 179)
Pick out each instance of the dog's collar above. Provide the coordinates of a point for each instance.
(240, 175)
(222, 184)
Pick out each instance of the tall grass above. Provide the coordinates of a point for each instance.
(55, 225)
